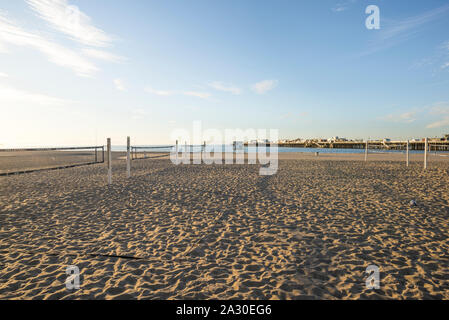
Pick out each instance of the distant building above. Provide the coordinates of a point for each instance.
(336, 139)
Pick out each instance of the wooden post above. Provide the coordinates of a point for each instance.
(128, 157)
(177, 150)
(366, 151)
(425, 153)
(408, 153)
(109, 162)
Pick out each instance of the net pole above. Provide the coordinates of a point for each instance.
(128, 157)
(366, 151)
(109, 162)
(408, 153)
(425, 152)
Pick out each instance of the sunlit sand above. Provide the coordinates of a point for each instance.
(224, 231)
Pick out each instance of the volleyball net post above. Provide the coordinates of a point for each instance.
(128, 157)
(425, 152)
(408, 153)
(109, 161)
(366, 151)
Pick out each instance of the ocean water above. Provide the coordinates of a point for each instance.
(222, 148)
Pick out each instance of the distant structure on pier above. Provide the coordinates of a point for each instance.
(437, 144)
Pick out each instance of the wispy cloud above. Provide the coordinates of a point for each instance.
(197, 94)
(264, 86)
(159, 92)
(409, 25)
(3, 75)
(446, 49)
(13, 34)
(440, 123)
(103, 55)
(9, 94)
(394, 32)
(69, 20)
(119, 85)
(202, 95)
(343, 6)
(440, 109)
(138, 114)
(406, 117)
(220, 86)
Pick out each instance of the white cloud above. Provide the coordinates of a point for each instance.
(138, 114)
(202, 95)
(339, 8)
(103, 55)
(445, 65)
(3, 75)
(220, 86)
(70, 20)
(343, 6)
(119, 85)
(264, 86)
(9, 95)
(159, 92)
(11, 33)
(406, 117)
(439, 124)
(439, 108)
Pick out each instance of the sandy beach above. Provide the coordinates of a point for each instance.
(225, 232)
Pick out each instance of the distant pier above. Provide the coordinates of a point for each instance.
(434, 145)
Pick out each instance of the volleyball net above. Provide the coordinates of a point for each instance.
(26, 160)
(150, 152)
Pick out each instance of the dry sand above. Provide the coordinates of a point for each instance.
(223, 231)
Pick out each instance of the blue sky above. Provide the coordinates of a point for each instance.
(110, 68)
